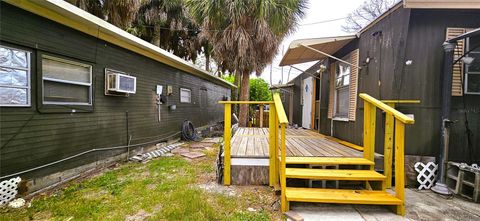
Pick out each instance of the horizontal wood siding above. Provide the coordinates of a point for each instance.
(30, 138)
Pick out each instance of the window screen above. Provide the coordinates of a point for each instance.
(472, 79)
(185, 95)
(14, 77)
(342, 88)
(66, 82)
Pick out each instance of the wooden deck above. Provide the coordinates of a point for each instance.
(253, 143)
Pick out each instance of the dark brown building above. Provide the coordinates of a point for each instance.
(399, 56)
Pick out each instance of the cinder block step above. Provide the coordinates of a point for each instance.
(341, 196)
(328, 161)
(329, 174)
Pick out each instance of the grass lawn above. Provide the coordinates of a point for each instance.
(166, 188)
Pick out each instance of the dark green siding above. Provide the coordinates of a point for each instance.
(35, 136)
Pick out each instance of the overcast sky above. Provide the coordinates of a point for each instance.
(317, 11)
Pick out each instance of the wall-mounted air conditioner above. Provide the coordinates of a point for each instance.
(119, 82)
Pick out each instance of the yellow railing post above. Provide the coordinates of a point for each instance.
(283, 169)
(226, 139)
(278, 167)
(399, 165)
(369, 120)
(388, 147)
(271, 142)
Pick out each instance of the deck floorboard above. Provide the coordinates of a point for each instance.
(253, 142)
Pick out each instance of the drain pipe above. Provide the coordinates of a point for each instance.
(440, 186)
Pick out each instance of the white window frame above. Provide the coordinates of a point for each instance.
(467, 73)
(190, 95)
(29, 85)
(90, 90)
(337, 88)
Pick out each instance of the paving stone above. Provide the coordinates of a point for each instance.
(197, 145)
(294, 216)
(180, 150)
(192, 155)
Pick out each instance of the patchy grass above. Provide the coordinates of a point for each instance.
(166, 188)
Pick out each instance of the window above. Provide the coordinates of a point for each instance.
(185, 95)
(472, 76)
(14, 77)
(66, 82)
(342, 89)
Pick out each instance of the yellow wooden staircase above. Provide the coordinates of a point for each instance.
(374, 185)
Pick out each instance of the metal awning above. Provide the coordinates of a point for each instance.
(299, 52)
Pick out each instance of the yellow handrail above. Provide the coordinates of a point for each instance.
(397, 114)
(282, 117)
(394, 118)
(245, 102)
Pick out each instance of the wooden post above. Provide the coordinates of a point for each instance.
(261, 115)
(400, 165)
(369, 117)
(283, 165)
(226, 143)
(388, 147)
(271, 142)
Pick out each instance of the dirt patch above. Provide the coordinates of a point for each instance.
(139, 216)
(213, 187)
(44, 215)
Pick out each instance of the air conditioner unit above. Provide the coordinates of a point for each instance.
(120, 83)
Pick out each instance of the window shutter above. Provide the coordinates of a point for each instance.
(354, 57)
(331, 94)
(457, 77)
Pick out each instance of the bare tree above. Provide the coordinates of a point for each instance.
(366, 13)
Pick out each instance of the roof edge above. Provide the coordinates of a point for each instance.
(69, 15)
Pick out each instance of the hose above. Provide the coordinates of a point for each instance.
(188, 131)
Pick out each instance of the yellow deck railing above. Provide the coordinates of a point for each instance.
(277, 131)
(227, 134)
(393, 117)
(280, 118)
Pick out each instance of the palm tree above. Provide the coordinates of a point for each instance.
(120, 13)
(167, 24)
(164, 23)
(245, 34)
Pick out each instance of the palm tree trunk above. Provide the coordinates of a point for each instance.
(207, 57)
(235, 91)
(156, 35)
(244, 96)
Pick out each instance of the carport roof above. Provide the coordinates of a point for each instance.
(297, 53)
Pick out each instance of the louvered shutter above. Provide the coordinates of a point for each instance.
(457, 77)
(331, 94)
(354, 57)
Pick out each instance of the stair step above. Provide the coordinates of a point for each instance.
(330, 174)
(328, 161)
(341, 196)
